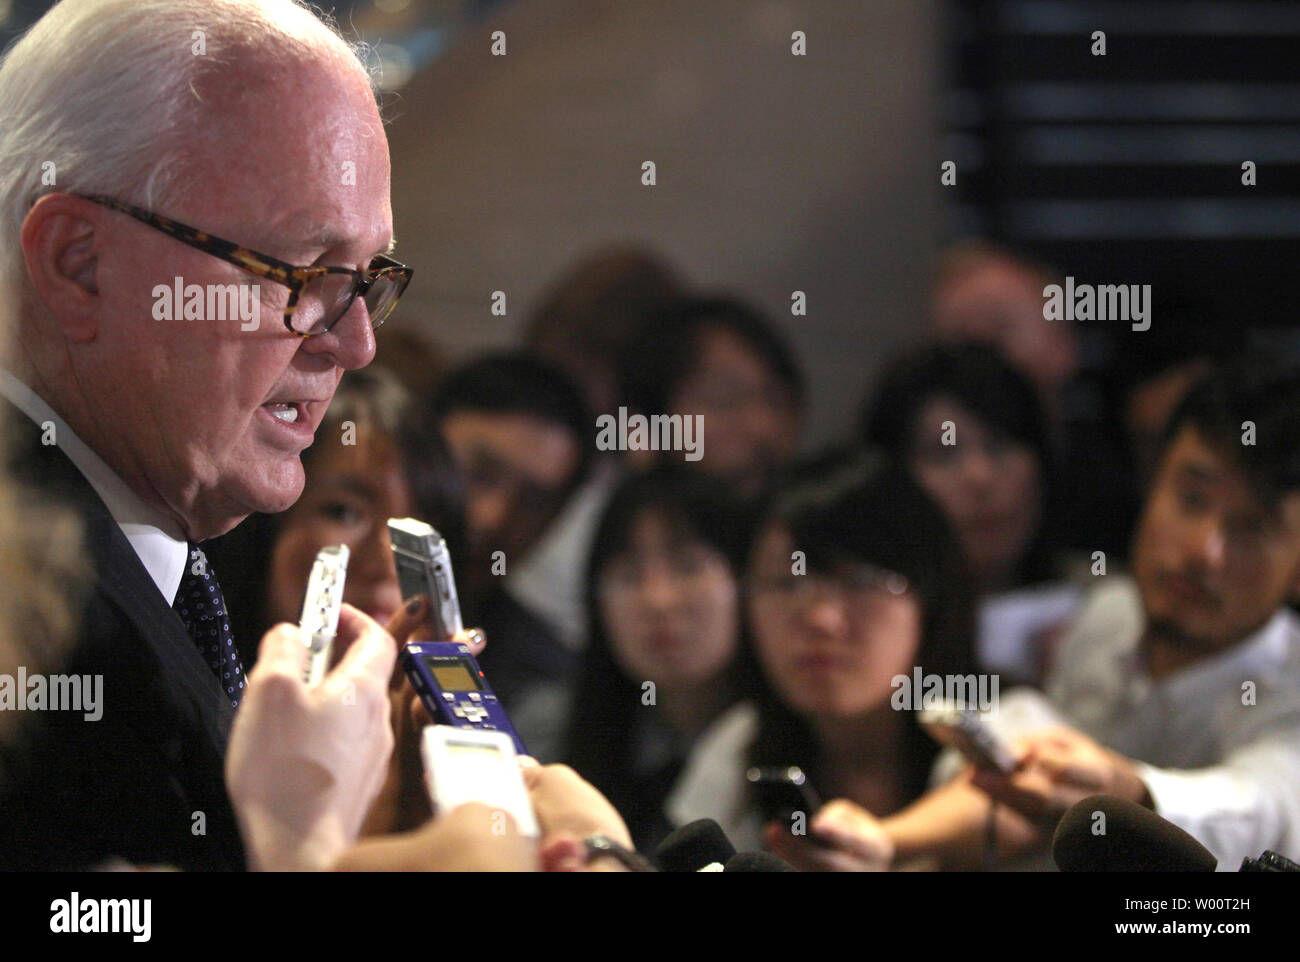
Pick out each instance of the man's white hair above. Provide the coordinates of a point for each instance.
(107, 91)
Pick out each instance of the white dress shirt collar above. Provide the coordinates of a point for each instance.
(1255, 656)
(1262, 652)
(156, 538)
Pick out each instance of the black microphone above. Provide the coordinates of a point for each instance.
(1268, 862)
(1107, 834)
(694, 847)
(757, 862)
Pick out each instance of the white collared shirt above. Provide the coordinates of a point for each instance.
(549, 579)
(156, 538)
(712, 783)
(1218, 741)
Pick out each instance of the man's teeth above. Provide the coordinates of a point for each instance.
(285, 412)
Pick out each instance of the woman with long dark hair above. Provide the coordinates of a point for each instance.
(972, 432)
(665, 654)
(854, 580)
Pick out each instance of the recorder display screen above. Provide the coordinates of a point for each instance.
(452, 674)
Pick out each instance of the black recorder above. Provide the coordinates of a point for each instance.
(782, 792)
(444, 673)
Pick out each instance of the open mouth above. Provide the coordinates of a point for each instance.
(289, 413)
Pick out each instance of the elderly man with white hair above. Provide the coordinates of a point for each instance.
(150, 146)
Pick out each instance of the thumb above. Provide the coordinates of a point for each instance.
(282, 648)
(474, 639)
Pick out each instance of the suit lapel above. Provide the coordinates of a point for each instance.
(125, 580)
(122, 577)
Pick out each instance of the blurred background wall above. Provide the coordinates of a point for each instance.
(821, 172)
(775, 172)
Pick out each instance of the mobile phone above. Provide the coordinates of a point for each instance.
(320, 609)
(783, 791)
(956, 726)
(470, 765)
(454, 689)
(424, 568)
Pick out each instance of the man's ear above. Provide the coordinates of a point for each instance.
(60, 243)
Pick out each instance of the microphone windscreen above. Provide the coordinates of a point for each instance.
(757, 862)
(1107, 834)
(693, 846)
(1268, 862)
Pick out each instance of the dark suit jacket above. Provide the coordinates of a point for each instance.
(145, 782)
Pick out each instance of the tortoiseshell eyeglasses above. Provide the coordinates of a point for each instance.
(318, 296)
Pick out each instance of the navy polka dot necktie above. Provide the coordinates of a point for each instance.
(203, 609)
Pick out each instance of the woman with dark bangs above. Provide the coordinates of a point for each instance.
(971, 430)
(854, 580)
(666, 654)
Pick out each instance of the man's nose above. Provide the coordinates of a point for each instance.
(1207, 543)
(350, 343)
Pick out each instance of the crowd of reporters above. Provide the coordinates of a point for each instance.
(756, 609)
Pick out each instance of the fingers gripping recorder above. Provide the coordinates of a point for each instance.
(320, 609)
(469, 755)
(443, 672)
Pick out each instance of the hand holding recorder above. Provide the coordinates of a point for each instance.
(471, 838)
(570, 810)
(842, 837)
(444, 673)
(1058, 767)
(305, 763)
(442, 676)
